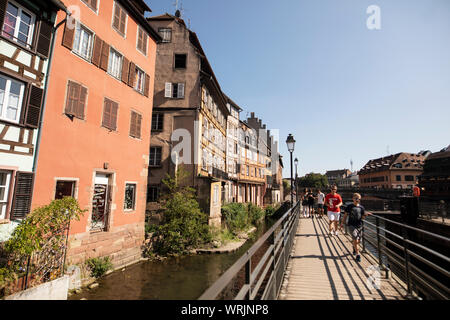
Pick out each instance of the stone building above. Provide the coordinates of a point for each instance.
(189, 118)
(26, 35)
(233, 151)
(337, 177)
(435, 179)
(400, 170)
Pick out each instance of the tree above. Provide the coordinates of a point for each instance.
(313, 180)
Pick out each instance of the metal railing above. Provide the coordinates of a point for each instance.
(411, 258)
(265, 279)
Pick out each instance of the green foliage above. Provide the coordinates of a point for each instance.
(236, 217)
(184, 225)
(270, 210)
(313, 180)
(99, 266)
(255, 214)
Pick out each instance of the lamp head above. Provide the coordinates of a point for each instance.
(290, 142)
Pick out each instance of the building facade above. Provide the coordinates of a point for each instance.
(233, 152)
(338, 177)
(435, 179)
(26, 34)
(96, 126)
(400, 171)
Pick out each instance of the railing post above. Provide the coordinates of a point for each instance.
(380, 263)
(248, 273)
(405, 249)
(363, 239)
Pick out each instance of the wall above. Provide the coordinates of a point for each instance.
(52, 290)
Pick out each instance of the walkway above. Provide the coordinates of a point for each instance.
(322, 267)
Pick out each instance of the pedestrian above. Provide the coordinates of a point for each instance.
(305, 201)
(356, 214)
(320, 201)
(333, 201)
(310, 199)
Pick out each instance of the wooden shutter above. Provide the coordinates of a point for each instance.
(2, 12)
(147, 85)
(94, 4)
(114, 109)
(138, 125)
(125, 69)
(97, 51)
(81, 103)
(33, 110)
(104, 56)
(44, 38)
(68, 36)
(139, 40)
(23, 191)
(168, 90)
(180, 93)
(123, 19)
(73, 94)
(116, 20)
(107, 113)
(132, 74)
(133, 124)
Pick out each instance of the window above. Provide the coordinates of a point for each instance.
(152, 193)
(135, 125)
(409, 178)
(155, 156)
(76, 99)
(115, 64)
(142, 38)
(18, 24)
(110, 114)
(82, 44)
(180, 61)
(91, 4)
(166, 34)
(64, 189)
(216, 194)
(139, 82)
(129, 202)
(398, 178)
(11, 97)
(157, 121)
(174, 90)
(119, 19)
(5, 180)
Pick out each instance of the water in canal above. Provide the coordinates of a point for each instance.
(177, 278)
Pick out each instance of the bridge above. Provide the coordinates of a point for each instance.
(296, 259)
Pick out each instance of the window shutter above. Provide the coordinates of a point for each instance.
(168, 91)
(23, 191)
(123, 17)
(132, 74)
(180, 93)
(114, 108)
(97, 51)
(116, 20)
(2, 12)
(73, 93)
(68, 36)
(138, 125)
(133, 124)
(147, 85)
(81, 103)
(33, 111)
(44, 38)
(125, 69)
(94, 4)
(104, 56)
(107, 113)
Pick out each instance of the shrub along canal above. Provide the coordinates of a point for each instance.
(179, 278)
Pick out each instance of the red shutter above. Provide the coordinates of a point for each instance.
(125, 69)
(147, 85)
(97, 51)
(23, 191)
(68, 36)
(33, 111)
(2, 12)
(44, 38)
(132, 74)
(104, 56)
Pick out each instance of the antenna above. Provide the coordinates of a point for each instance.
(387, 150)
(351, 164)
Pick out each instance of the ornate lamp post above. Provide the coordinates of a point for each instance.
(296, 177)
(290, 145)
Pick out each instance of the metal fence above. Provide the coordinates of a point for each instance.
(270, 255)
(424, 270)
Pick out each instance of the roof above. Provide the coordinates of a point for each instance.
(338, 172)
(137, 8)
(232, 102)
(402, 160)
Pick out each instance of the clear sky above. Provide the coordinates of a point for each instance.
(312, 68)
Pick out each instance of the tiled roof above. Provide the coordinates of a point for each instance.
(402, 160)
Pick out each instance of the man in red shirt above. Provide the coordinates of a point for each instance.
(333, 201)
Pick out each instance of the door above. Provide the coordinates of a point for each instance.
(100, 201)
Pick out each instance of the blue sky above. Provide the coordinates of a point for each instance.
(312, 68)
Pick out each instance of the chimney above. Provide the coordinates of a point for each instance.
(252, 114)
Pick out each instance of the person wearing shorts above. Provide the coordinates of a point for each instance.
(333, 201)
(356, 214)
(310, 199)
(320, 201)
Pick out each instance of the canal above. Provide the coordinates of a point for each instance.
(177, 278)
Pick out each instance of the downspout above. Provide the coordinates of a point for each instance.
(47, 77)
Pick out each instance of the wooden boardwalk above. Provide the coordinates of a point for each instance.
(322, 267)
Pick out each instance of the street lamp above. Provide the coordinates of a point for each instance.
(296, 177)
(290, 145)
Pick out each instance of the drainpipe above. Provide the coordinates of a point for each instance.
(47, 77)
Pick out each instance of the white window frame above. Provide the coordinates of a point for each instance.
(163, 39)
(5, 101)
(5, 200)
(126, 20)
(115, 55)
(18, 21)
(137, 40)
(139, 83)
(77, 36)
(134, 196)
(169, 90)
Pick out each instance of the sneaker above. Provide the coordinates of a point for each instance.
(354, 251)
(336, 232)
(358, 258)
(331, 233)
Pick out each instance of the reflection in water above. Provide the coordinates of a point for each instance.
(180, 278)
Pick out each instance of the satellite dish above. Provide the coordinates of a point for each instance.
(177, 13)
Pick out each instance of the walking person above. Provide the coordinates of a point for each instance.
(305, 202)
(333, 201)
(356, 214)
(320, 202)
(310, 199)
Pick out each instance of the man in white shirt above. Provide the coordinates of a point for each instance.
(320, 200)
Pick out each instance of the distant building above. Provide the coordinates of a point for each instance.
(400, 170)
(352, 180)
(337, 177)
(435, 179)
